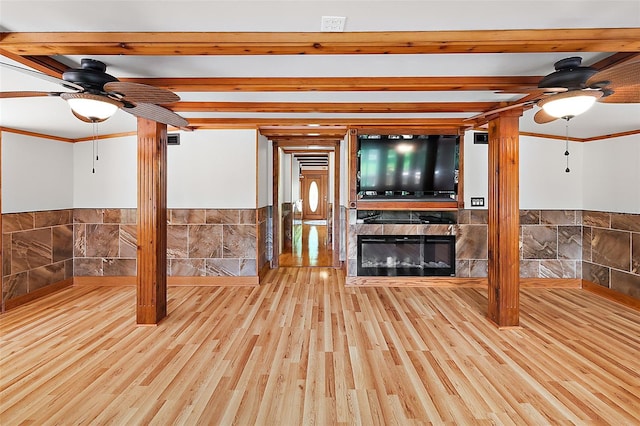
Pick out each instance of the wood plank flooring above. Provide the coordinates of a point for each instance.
(304, 349)
(309, 247)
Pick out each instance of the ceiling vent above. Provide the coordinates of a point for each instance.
(173, 139)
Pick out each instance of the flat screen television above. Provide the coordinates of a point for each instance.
(408, 166)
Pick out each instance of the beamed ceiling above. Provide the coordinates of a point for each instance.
(281, 82)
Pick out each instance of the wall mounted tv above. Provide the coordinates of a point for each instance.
(421, 167)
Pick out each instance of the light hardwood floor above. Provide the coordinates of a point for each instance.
(304, 349)
(308, 247)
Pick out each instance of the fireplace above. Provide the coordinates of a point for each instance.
(406, 255)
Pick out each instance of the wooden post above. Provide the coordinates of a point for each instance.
(335, 243)
(275, 256)
(152, 222)
(504, 219)
(1, 239)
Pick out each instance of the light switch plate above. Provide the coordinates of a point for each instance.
(477, 201)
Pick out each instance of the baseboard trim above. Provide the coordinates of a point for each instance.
(36, 294)
(550, 283)
(457, 282)
(127, 281)
(117, 281)
(213, 281)
(612, 295)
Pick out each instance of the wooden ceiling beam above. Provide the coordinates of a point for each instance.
(509, 84)
(257, 122)
(308, 143)
(333, 107)
(314, 43)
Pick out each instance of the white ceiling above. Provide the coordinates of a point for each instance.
(52, 116)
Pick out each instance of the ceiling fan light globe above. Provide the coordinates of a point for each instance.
(569, 106)
(94, 107)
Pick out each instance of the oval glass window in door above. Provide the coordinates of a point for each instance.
(313, 196)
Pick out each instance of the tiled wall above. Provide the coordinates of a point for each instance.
(200, 242)
(611, 252)
(104, 242)
(37, 250)
(42, 248)
(264, 242)
(550, 244)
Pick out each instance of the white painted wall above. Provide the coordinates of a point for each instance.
(612, 175)
(213, 169)
(218, 169)
(263, 177)
(37, 174)
(114, 183)
(544, 184)
(209, 169)
(296, 191)
(476, 176)
(284, 179)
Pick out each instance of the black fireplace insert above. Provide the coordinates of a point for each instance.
(406, 255)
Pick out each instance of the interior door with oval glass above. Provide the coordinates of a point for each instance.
(314, 195)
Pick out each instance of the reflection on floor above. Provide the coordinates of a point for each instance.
(309, 246)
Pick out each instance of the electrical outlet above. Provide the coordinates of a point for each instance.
(477, 201)
(333, 24)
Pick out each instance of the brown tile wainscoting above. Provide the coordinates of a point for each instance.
(611, 252)
(200, 242)
(37, 252)
(46, 249)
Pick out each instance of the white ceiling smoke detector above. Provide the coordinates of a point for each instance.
(333, 24)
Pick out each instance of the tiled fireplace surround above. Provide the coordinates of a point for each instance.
(46, 247)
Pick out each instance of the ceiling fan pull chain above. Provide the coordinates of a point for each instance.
(94, 155)
(566, 145)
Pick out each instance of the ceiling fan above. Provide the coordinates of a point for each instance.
(572, 89)
(94, 95)
(579, 87)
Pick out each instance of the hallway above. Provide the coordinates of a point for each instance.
(309, 245)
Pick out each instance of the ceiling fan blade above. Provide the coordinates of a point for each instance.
(9, 95)
(625, 74)
(541, 117)
(136, 92)
(156, 113)
(623, 95)
(42, 76)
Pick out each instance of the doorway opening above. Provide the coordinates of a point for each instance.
(307, 194)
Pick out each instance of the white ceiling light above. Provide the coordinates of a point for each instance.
(93, 107)
(569, 104)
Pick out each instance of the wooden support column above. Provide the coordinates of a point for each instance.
(152, 222)
(1, 238)
(336, 206)
(504, 219)
(275, 256)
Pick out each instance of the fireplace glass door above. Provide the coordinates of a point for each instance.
(406, 255)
